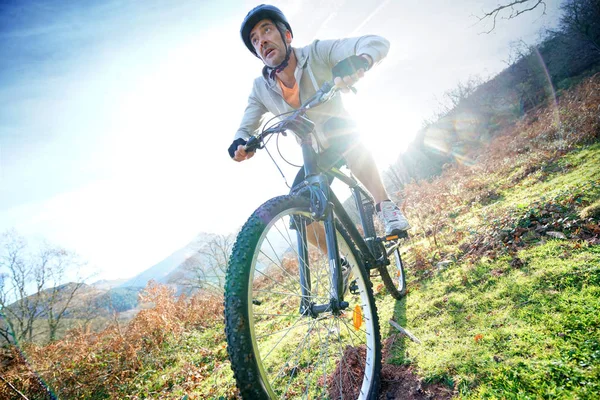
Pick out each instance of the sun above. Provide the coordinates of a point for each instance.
(385, 130)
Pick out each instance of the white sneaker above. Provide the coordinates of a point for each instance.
(392, 217)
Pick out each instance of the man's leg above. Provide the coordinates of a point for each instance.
(315, 234)
(363, 166)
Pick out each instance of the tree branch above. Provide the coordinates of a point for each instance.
(404, 332)
(13, 388)
(515, 10)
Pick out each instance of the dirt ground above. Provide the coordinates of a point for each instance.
(397, 381)
(400, 381)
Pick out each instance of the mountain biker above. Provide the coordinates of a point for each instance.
(290, 74)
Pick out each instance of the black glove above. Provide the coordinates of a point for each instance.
(349, 66)
(234, 146)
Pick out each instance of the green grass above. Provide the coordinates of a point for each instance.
(579, 169)
(513, 325)
(499, 332)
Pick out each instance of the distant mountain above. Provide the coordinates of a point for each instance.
(170, 266)
(106, 284)
(119, 299)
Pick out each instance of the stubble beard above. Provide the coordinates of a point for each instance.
(272, 63)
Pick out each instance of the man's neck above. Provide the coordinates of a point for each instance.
(287, 75)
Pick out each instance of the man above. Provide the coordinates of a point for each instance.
(291, 74)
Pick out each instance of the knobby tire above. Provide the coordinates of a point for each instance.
(274, 351)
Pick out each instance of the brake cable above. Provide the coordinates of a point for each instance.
(264, 146)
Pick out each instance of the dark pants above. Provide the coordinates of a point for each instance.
(342, 135)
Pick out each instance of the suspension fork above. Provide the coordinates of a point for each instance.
(304, 269)
(335, 268)
(336, 290)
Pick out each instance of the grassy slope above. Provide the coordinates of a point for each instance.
(527, 332)
(516, 316)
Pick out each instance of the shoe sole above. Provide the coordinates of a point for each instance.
(398, 232)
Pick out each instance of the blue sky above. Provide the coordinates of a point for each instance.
(115, 115)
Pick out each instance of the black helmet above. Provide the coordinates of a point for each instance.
(264, 11)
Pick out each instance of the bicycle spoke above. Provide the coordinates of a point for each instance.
(365, 364)
(272, 280)
(303, 343)
(294, 278)
(283, 337)
(282, 330)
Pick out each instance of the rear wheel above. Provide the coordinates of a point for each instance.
(276, 352)
(393, 276)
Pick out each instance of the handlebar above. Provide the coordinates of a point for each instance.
(297, 119)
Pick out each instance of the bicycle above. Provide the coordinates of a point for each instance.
(299, 322)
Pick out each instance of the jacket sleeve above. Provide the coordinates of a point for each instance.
(252, 116)
(334, 51)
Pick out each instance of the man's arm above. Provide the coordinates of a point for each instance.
(250, 122)
(351, 58)
(373, 48)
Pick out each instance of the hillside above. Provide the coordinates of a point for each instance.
(504, 288)
(506, 261)
(164, 270)
(476, 111)
(77, 304)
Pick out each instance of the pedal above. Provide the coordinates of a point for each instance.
(396, 236)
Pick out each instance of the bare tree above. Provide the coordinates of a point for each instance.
(58, 298)
(511, 9)
(19, 310)
(206, 269)
(457, 96)
(32, 288)
(396, 176)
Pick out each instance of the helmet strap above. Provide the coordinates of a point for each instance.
(281, 66)
(284, 63)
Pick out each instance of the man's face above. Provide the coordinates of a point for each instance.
(267, 42)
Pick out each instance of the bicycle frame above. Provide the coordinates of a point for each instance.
(323, 204)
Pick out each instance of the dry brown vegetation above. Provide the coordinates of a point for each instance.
(527, 148)
(86, 365)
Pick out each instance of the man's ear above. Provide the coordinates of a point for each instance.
(288, 37)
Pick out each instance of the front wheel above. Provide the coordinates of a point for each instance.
(277, 351)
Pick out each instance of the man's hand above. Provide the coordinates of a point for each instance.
(348, 71)
(241, 154)
(238, 152)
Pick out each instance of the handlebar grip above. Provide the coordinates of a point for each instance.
(252, 144)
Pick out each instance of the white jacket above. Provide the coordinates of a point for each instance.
(314, 65)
